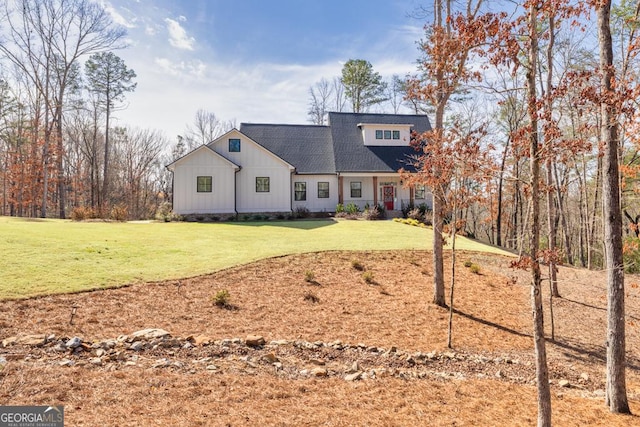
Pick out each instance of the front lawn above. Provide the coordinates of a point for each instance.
(54, 256)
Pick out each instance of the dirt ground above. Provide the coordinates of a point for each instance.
(338, 351)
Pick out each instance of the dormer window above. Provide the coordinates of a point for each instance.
(386, 134)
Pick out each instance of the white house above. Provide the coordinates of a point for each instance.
(278, 168)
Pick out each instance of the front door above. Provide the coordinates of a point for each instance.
(387, 197)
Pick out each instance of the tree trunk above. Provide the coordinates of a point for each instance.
(438, 249)
(616, 393)
(594, 214)
(62, 200)
(499, 207)
(551, 235)
(105, 173)
(453, 277)
(542, 373)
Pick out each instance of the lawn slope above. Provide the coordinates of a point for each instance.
(53, 256)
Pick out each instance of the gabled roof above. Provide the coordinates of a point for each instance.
(351, 155)
(171, 166)
(307, 147)
(237, 133)
(336, 148)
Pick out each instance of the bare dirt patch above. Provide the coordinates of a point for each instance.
(319, 329)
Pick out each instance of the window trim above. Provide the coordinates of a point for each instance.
(266, 185)
(233, 141)
(320, 195)
(357, 189)
(204, 187)
(302, 193)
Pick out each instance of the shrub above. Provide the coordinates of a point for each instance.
(352, 209)
(406, 209)
(301, 212)
(474, 268)
(339, 208)
(311, 298)
(415, 214)
(367, 276)
(119, 213)
(374, 213)
(309, 276)
(81, 213)
(357, 265)
(163, 213)
(222, 298)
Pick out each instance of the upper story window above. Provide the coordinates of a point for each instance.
(204, 184)
(262, 184)
(386, 134)
(234, 145)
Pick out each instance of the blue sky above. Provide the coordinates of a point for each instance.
(252, 60)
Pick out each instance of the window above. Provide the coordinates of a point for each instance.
(356, 189)
(300, 191)
(262, 184)
(387, 134)
(420, 191)
(378, 134)
(234, 145)
(204, 184)
(396, 134)
(323, 190)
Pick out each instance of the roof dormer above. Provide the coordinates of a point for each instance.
(380, 134)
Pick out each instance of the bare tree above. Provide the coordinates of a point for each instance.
(319, 101)
(206, 127)
(616, 393)
(108, 78)
(339, 98)
(46, 39)
(138, 155)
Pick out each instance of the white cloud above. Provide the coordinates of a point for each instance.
(183, 69)
(178, 35)
(149, 30)
(117, 17)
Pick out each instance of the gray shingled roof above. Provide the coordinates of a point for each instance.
(307, 147)
(338, 147)
(351, 155)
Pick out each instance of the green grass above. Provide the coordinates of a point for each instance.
(54, 256)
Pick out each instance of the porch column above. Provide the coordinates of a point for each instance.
(340, 190)
(411, 194)
(375, 191)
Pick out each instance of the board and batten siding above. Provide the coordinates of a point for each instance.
(256, 161)
(313, 203)
(203, 162)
